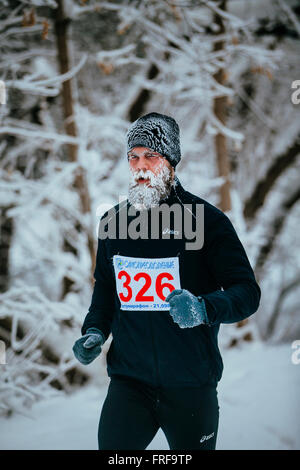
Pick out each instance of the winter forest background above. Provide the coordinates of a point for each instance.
(76, 74)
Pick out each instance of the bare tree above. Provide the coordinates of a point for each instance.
(80, 183)
(220, 104)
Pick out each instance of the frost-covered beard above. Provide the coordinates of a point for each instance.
(142, 196)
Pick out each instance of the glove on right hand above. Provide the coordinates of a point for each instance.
(88, 347)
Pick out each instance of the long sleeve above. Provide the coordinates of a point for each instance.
(101, 310)
(227, 260)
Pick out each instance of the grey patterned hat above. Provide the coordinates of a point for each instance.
(157, 132)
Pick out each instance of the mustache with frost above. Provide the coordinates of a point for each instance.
(147, 195)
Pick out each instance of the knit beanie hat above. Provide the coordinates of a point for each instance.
(158, 132)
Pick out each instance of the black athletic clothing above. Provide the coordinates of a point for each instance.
(149, 345)
(133, 412)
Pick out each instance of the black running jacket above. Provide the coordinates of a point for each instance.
(147, 344)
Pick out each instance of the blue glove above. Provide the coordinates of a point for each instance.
(88, 347)
(186, 309)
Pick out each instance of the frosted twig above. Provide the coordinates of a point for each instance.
(290, 14)
(42, 134)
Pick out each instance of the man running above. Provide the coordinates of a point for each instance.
(163, 298)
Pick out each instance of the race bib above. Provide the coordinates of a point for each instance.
(144, 283)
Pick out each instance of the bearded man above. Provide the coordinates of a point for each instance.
(164, 303)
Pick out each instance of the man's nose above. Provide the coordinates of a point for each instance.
(143, 164)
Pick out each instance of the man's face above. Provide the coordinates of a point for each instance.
(151, 177)
(143, 159)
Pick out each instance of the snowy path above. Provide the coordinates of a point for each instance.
(258, 397)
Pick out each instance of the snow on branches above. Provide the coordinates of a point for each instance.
(27, 376)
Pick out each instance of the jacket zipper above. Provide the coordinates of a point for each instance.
(153, 341)
(154, 351)
(152, 338)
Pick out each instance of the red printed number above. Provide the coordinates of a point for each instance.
(140, 297)
(159, 286)
(126, 285)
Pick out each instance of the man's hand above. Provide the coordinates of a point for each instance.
(186, 309)
(88, 347)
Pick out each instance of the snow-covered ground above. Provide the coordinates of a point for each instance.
(258, 398)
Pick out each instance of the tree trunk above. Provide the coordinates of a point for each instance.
(220, 113)
(280, 164)
(275, 229)
(80, 183)
(138, 106)
(6, 233)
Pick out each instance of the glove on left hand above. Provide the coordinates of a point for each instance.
(88, 347)
(186, 309)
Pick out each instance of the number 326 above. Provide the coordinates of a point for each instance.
(140, 296)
